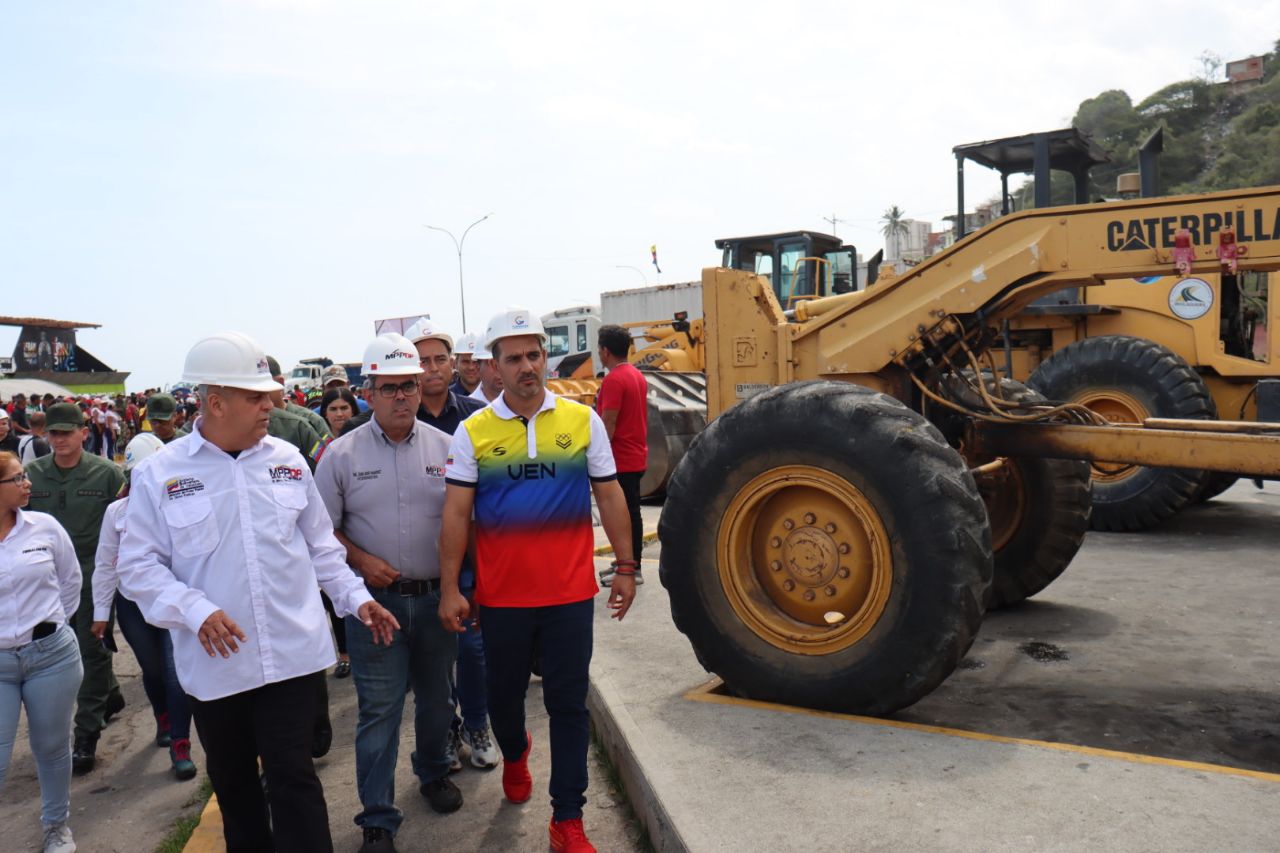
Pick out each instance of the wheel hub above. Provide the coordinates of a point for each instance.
(805, 559)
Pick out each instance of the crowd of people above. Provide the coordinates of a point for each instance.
(254, 537)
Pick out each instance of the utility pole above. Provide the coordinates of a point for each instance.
(834, 221)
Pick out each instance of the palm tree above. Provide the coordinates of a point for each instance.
(895, 228)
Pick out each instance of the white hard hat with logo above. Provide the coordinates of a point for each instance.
(469, 344)
(230, 359)
(140, 447)
(391, 355)
(513, 323)
(425, 330)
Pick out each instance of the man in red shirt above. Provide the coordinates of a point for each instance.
(623, 405)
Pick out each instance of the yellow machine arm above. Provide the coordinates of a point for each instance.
(880, 335)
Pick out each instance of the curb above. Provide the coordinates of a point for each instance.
(606, 550)
(620, 736)
(207, 836)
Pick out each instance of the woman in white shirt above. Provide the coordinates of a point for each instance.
(151, 645)
(40, 664)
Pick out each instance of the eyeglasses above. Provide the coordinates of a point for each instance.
(406, 388)
(16, 479)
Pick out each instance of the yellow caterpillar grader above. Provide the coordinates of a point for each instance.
(866, 486)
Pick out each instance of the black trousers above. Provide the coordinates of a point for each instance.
(630, 482)
(264, 722)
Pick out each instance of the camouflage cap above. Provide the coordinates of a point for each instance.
(160, 407)
(274, 366)
(64, 416)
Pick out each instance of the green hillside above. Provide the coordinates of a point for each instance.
(1213, 139)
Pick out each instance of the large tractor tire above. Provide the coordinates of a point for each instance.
(1127, 380)
(1038, 511)
(824, 546)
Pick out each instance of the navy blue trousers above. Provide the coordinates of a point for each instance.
(563, 635)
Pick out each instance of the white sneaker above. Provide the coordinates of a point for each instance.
(484, 754)
(57, 839)
(452, 750)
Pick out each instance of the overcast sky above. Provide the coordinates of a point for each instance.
(172, 169)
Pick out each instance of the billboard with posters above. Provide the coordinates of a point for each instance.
(397, 324)
(41, 348)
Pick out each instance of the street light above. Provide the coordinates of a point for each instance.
(458, 244)
(636, 270)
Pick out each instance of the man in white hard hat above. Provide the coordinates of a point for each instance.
(226, 540)
(490, 386)
(383, 486)
(466, 366)
(527, 465)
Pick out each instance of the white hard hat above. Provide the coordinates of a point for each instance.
(231, 359)
(469, 344)
(391, 355)
(512, 323)
(425, 330)
(140, 447)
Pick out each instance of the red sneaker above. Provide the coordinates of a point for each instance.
(567, 837)
(517, 784)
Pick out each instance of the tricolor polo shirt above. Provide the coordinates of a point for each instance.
(534, 543)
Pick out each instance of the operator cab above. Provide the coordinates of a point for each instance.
(799, 265)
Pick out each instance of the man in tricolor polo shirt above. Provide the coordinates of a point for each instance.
(528, 465)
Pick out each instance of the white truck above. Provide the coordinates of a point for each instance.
(305, 375)
(571, 332)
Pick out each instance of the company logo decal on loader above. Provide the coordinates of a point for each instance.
(1190, 298)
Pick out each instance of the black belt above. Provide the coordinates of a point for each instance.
(406, 588)
(44, 629)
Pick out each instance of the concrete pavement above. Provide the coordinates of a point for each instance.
(1169, 646)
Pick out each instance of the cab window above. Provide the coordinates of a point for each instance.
(557, 341)
(582, 338)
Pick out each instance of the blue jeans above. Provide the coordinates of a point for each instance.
(421, 656)
(470, 693)
(153, 648)
(564, 634)
(44, 675)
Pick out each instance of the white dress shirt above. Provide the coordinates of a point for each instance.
(105, 579)
(39, 577)
(248, 535)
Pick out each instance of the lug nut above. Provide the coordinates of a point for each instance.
(775, 542)
(844, 548)
(809, 595)
(776, 566)
(844, 572)
(788, 524)
(830, 590)
(788, 584)
(810, 518)
(830, 528)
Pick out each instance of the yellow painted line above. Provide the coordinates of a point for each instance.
(207, 836)
(705, 694)
(649, 536)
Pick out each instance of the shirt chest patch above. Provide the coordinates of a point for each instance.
(176, 488)
(435, 471)
(91, 493)
(285, 474)
(41, 493)
(363, 476)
